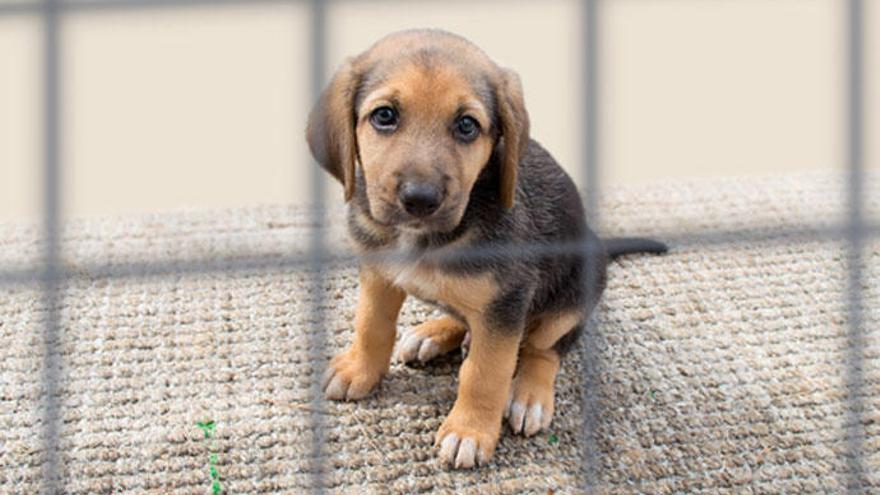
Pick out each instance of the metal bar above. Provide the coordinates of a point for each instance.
(122, 5)
(21, 8)
(52, 276)
(591, 108)
(25, 8)
(587, 348)
(258, 262)
(856, 238)
(317, 338)
(79, 5)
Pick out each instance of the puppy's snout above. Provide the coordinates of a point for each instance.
(420, 199)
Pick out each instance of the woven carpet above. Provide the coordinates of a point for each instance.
(722, 365)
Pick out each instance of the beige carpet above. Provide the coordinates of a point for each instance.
(721, 365)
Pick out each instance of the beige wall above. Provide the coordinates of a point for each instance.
(205, 107)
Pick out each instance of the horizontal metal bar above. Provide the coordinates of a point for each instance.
(305, 260)
(83, 5)
(24, 8)
(19, 8)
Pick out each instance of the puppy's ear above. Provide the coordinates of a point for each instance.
(514, 123)
(331, 130)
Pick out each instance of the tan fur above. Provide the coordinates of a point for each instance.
(484, 387)
(533, 385)
(413, 73)
(355, 372)
(392, 46)
(423, 146)
(547, 329)
(429, 99)
(484, 377)
(537, 367)
(531, 402)
(329, 132)
(514, 128)
(372, 228)
(467, 295)
(446, 332)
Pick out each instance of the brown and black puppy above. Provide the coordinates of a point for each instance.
(430, 139)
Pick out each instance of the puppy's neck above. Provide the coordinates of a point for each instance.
(370, 235)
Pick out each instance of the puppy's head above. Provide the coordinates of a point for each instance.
(421, 113)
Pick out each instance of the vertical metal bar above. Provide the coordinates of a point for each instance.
(855, 160)
(317, 341)
(51, 276)
(591, 108)
(588, 351)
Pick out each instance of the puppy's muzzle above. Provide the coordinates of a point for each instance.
(420, 199)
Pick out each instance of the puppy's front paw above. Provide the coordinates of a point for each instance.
(530, 408)
(430, 339)
(466, 441)
(350, 376)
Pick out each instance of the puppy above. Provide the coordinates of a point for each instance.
(430, 140)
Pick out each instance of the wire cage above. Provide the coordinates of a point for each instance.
(51, 274)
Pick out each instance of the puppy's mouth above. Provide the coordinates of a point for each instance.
(421, 226)
(392, 215)
(415, 226)
(440, 222)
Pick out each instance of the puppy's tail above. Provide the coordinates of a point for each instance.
(619, 246)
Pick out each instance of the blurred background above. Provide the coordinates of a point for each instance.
(193, 107)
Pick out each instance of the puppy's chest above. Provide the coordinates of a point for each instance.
(428, 281)
(418, 279)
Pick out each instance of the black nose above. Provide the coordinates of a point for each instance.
(419, 199)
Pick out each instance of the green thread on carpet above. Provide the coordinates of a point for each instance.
(208, 427)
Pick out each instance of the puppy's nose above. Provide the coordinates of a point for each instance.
(419, 199)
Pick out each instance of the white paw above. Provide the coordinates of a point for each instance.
(349, 377)
(413, 346)
(527, 418)
(461, 453)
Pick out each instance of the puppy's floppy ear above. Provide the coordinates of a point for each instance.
(514, 123)
(331, 130)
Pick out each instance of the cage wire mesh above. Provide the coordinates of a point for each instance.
(52, 275)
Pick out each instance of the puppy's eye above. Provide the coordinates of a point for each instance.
(384, 119)
(467, 129)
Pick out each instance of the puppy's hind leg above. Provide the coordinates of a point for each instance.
(431, 339)
(531, 405)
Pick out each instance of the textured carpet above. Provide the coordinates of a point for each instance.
(721, 365)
